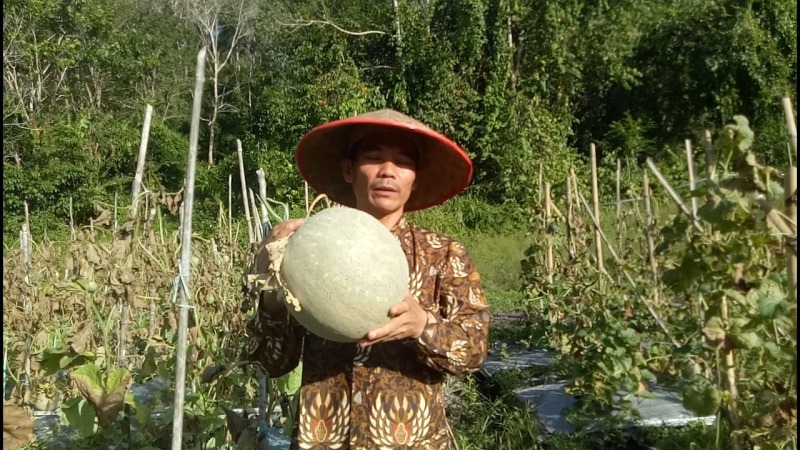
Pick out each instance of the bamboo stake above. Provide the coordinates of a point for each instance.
(250, 233)
(711, 160)
(598, 245)
(540, 185)
(791, 126)
(619, 205)
(262, 192)
(137, 178)
(730, 370)
(25, 245)
(257, 229)
(570, 237)
(790, 193)
(308, 207)
(651, 246)
(548, 216)
(619, 262)
(115, 213)
(230, 209)
(690, 165)
(186, 255)
(675, 197)
(71, 221)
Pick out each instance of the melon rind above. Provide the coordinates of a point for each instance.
(345, 269)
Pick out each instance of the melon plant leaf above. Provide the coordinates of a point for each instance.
(105, 391)
(770, 300)
(701, 400)
(79, 414)
(745, 340)
(289, 384)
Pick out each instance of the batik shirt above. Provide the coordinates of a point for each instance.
(388, 395)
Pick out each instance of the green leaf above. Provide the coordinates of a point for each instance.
(701, 400)
(116, 378)
(290, 382)
(737, 297)
(770, 300)
(88, 377)
(79, 414)
(745, 340)
(776, 352)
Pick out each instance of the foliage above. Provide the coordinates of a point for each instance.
(520, 84)
(720, 299)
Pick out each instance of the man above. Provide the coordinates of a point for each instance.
(386, 391)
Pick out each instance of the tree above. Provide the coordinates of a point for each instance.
(223, 25)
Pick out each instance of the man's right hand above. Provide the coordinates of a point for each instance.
(281, 230)
(269, 302)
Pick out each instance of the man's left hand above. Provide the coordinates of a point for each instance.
(408, 320)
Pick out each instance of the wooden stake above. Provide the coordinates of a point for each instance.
(570, 237)
(650, 233)
(711, 159)
(25, 246)
(598, 244)
(114, 227)
(541, 184)
(186, 256)
(619, 205)
(675, 197)
(256, 217)
(549, 261)
(262, 192)
(690, 165)
(250, 233)
(137, 178)
(790, 193)
(619, 261)
(791, 126)
(308, 206)
(230, 211)
(71, 221)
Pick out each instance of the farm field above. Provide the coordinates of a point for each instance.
(632, 211)
(92, 313)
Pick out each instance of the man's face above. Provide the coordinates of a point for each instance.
(382, 171)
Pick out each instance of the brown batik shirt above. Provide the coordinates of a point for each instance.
(389, 395)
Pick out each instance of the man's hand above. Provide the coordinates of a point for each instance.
(268, 302)
(408, 320)
(281, 230)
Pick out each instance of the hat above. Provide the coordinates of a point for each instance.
(443, 168)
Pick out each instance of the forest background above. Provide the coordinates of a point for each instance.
(518, 83)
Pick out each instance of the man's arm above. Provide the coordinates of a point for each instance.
(275, 338)
(456, 340)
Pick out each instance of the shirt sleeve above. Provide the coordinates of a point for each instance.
(455, 339)
(275, 341)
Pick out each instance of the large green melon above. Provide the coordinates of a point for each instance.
(345, 269)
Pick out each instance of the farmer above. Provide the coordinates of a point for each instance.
(386, 391)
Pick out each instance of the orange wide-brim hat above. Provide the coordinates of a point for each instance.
(443, 168)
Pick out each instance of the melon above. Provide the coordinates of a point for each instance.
(340, 272)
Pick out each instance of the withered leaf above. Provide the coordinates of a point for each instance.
(80, 334)
(91, 254)
(17, 427)
(126, 277)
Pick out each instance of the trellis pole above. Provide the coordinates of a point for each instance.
(186, 256)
